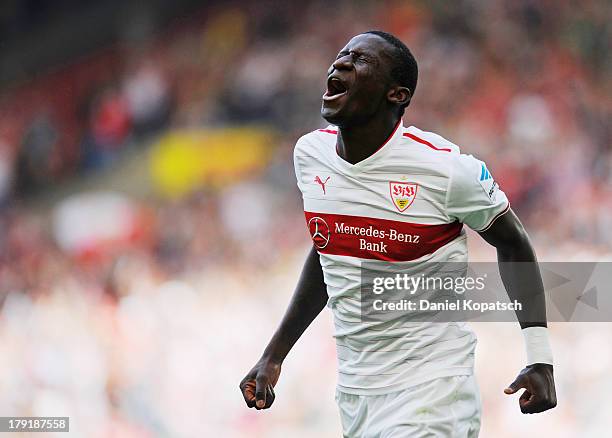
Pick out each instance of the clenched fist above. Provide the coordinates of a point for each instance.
(539, 385)
(257, 387)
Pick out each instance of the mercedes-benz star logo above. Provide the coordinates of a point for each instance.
(319, 231)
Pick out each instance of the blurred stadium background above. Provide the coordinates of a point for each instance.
(151, 232)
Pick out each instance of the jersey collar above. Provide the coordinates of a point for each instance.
(395, 136)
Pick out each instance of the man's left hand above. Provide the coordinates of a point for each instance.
(539, 385)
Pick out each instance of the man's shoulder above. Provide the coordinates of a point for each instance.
(313, 140)
(432, 148)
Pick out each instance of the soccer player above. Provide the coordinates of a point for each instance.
(375, 191)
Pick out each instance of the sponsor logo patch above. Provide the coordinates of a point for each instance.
(319, 231)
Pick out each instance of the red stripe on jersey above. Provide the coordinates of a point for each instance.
(425, 142)
(377, 239)
(329, 131)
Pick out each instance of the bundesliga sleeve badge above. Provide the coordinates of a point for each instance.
(487, 182)
(402, 194)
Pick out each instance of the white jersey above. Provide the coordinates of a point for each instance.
(401, 207)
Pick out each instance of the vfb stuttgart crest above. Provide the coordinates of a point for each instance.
(402, 194)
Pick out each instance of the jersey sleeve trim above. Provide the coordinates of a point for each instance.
(497, 216)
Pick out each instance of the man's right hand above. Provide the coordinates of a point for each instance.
(308, 300)
(257, 387)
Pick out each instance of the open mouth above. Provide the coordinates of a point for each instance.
(335, 89)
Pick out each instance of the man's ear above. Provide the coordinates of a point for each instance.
(399, 96)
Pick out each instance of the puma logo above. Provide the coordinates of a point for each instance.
(322, 183)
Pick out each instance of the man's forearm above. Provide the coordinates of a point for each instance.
(518, 268)
(520, 273)
(307, 302)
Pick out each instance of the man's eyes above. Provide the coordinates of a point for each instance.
(355, 56)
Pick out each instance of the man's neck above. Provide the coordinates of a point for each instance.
(358, 142)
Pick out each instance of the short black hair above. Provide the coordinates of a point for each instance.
(405, 70)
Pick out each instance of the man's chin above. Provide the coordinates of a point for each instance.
(332, 115)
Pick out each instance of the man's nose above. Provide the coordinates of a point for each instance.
(343, 63)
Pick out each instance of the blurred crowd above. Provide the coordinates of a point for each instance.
(92, 318)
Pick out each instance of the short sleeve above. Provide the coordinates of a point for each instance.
(474, 197)
(298, 152)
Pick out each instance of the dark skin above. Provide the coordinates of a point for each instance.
(366, 104)
(370, 109)
(521, 276)
(307, 302)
